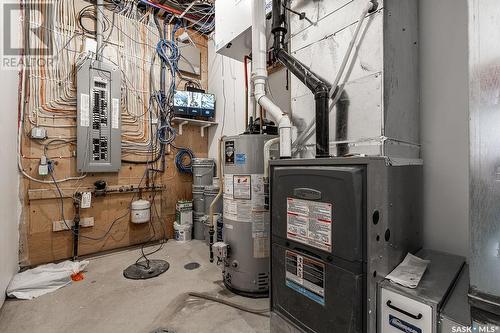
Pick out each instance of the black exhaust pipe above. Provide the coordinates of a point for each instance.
(319, 86)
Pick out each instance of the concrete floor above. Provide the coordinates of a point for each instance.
(107, 302)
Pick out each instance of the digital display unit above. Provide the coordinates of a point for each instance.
(194, 104)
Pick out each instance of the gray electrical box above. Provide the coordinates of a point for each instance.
(190, 61)
(98, 117)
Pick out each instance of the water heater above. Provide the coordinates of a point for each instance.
(246, 218)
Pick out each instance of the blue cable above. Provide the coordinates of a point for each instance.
(183, 167)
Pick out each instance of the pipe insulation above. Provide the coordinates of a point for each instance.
(260, 76)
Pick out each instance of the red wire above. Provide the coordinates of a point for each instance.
(173, 10)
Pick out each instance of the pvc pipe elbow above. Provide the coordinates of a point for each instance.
(285, 122)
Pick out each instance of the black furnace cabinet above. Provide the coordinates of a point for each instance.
(338, 227)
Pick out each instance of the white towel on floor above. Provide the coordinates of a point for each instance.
(43, 279)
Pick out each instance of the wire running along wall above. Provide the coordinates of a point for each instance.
(48, 100)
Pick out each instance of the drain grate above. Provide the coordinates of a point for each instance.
(162, 330)
(192, 266)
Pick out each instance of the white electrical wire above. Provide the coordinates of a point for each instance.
(52, 89)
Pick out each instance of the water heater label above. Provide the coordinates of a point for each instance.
(241, 159)
(306, 276)
(242, 187)
(229, 152)
(310, 223)
(244, 201)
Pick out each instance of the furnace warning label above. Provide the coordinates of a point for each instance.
(310, 223)
(306, 276)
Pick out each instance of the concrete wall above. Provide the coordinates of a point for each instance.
(9, 184)
(444, 123)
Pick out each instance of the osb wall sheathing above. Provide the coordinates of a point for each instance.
(40, 244)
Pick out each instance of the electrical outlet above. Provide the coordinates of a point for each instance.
(43, 167)
(85, 222)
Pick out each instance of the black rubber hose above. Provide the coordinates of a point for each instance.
(260, 312)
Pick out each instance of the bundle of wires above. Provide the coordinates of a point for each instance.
(169, 53)
(199, 15)
(184, 160)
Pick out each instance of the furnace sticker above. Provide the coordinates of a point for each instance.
(306, 276)
(310, 223)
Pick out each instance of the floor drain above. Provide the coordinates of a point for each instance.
(192, 266)
(162, 330)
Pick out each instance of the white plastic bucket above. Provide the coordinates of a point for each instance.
(182, 233)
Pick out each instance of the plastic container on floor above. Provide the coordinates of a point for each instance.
(182, 232)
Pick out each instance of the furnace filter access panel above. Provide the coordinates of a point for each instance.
(318, 261)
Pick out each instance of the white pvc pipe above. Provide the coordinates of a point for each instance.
(259, 75)
(220, 174)
(267, 156)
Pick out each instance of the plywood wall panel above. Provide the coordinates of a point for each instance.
(39, 244)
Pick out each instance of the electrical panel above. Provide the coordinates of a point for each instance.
(98, 117)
